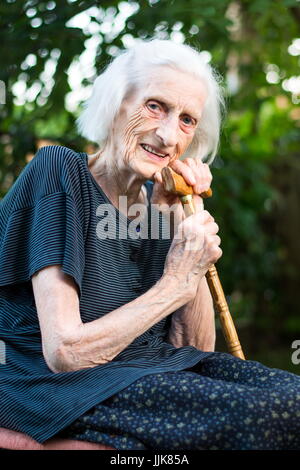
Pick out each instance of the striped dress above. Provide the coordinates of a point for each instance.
(152, 395)
(51, 216)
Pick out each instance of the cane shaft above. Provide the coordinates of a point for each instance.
(227, 324)
(216, 290)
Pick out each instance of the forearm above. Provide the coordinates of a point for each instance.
(194, 323)
(99, 341)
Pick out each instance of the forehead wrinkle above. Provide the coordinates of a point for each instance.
(163, 85)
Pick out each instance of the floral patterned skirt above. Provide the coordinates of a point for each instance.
(221, 403)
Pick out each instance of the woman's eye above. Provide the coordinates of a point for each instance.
(190, 120)
(153, 106)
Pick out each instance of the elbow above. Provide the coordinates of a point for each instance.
(70, 357)
(58, 357)
(57, 361)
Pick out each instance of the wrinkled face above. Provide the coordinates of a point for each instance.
(157, 122)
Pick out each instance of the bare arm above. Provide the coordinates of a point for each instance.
(194, 323)
(69, 344)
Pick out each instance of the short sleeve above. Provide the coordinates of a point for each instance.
(48, 233)
(51, 230)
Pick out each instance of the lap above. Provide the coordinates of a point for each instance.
(224, 366)
(220, 378)
(219, 402)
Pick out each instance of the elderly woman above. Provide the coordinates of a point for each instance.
(106, 316)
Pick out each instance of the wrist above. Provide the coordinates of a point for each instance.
(172, 284)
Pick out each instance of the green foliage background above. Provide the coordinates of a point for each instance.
(257, 171)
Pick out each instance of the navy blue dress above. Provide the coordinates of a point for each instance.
(152, 395)
(48, 217)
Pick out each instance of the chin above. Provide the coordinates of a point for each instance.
(147, 171)
(146, 174)
(146, 167)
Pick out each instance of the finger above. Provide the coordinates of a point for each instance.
(205, 217)
(213, 243)
(184, 170)
(198, 174)
(212, 228)
(218, 253)
(202, 174)
(158, 177)
(198, 203)
(205, 175)
(215, 240)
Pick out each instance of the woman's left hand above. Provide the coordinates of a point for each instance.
(195, 173)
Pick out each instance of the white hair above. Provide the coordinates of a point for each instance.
(127, 70)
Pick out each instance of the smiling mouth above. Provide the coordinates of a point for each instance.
(153, 153)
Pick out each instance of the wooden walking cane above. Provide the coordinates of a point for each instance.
(175, 183)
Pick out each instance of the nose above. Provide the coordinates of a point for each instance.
(167, 131)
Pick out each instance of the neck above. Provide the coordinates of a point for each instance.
(116, 182)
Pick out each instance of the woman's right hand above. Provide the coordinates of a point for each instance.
(194, 248)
